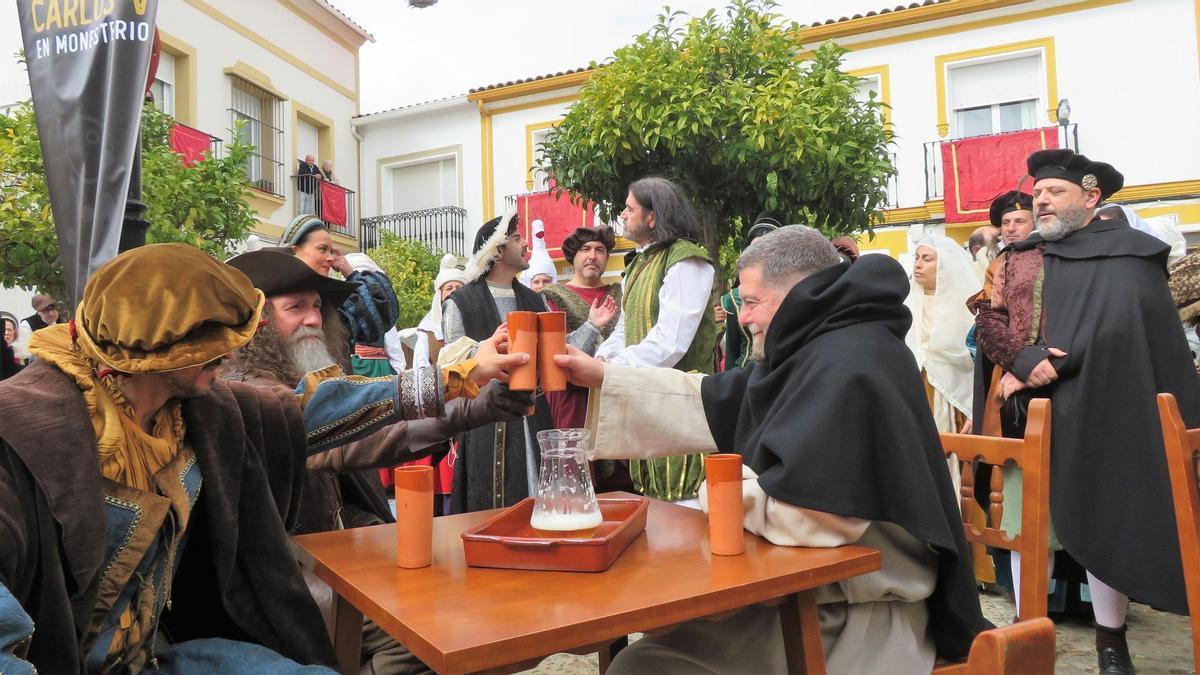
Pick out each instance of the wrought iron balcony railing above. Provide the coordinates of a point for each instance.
(326, 200)
(1068, 137)
(441, 228)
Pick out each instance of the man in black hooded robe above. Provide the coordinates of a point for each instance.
(1102, 339)
(828, 346)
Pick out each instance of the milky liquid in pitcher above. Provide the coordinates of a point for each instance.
(565, 522)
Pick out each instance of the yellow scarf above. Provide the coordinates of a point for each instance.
(128, 455)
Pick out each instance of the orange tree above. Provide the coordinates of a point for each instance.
(728, 107)
(202, 204)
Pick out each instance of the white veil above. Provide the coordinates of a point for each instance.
(943, 354)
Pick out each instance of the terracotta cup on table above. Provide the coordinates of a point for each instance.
(552, 339)
(414, 516)
(723, 475)
(523, 339)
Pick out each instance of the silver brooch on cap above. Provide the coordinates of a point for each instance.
(1089, 181)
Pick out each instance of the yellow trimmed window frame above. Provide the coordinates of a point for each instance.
(943, 63)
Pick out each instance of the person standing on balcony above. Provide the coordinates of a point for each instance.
(667, 317)
(307, 175)
(327, 171)
(497, 464)
(372, 309)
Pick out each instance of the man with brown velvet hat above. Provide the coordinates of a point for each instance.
(119, 445)
(1080, 313)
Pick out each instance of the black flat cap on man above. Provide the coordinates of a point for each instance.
(275, 272)
(1068, 165)
(1008, 202)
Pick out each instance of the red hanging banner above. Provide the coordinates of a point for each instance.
(190, 143)
(979, 169)
(333, 203)
(558, 214)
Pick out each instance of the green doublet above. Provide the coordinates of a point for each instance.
(679, 477)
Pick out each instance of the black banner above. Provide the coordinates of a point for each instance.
(87, 63)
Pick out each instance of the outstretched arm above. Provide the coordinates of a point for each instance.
(640, 412)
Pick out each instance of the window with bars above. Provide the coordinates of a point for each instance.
(261, 116)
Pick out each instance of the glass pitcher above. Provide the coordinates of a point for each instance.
(566, 501)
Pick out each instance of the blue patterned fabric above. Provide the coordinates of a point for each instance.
(373, 308)
(214, 655)
(15, 630)
(143, 533)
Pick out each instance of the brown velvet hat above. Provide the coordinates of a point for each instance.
(275, 271)
(165, 307)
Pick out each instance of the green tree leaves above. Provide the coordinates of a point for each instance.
(723, 106)
(411, 266)
(202, 205)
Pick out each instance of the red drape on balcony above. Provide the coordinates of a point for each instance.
(559, 216)
(333, 203)
(979, 169)
(190, 143)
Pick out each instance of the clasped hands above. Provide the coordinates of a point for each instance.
(1042, 374)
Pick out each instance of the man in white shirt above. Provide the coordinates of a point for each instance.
(666, 313)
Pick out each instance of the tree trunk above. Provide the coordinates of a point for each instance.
(711, 239)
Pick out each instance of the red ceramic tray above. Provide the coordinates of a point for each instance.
(507, 540)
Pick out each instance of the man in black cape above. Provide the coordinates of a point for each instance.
(1105, 338)
(828, 355)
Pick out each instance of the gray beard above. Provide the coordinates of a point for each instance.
(1065, 222)
(309, 355)
(758, 347)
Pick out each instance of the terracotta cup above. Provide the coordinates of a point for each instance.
(723, 474)
(414, 516)
(552, 339)
(522, 339)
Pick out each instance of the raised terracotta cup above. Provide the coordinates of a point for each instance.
(723, 475)
(552, 339)
(414, 516)
(522, 339)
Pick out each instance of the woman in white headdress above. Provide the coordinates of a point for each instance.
(429, 331)
(944, 277)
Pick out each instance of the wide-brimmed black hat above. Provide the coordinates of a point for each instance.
(1080, 170)
(276, 272)
(1008, 202)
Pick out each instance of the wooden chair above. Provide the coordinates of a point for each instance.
(1032, 455)
(1182, 445)
(1025, 648)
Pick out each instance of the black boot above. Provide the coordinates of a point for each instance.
(1112, 652)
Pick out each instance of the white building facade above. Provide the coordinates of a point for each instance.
(288, 70)
(1130, 70)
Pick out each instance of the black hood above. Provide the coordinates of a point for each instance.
(872, 290)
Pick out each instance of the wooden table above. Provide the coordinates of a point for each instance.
(461, 619)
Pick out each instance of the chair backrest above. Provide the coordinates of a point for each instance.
(1181, 445)
(1032, 455)
(1025, 648)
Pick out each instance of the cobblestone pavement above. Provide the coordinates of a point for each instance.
(1161, 643)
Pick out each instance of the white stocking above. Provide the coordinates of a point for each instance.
(1108, 604)
(1015, 565)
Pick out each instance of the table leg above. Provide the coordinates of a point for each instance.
(802, 634)
(347, 636)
